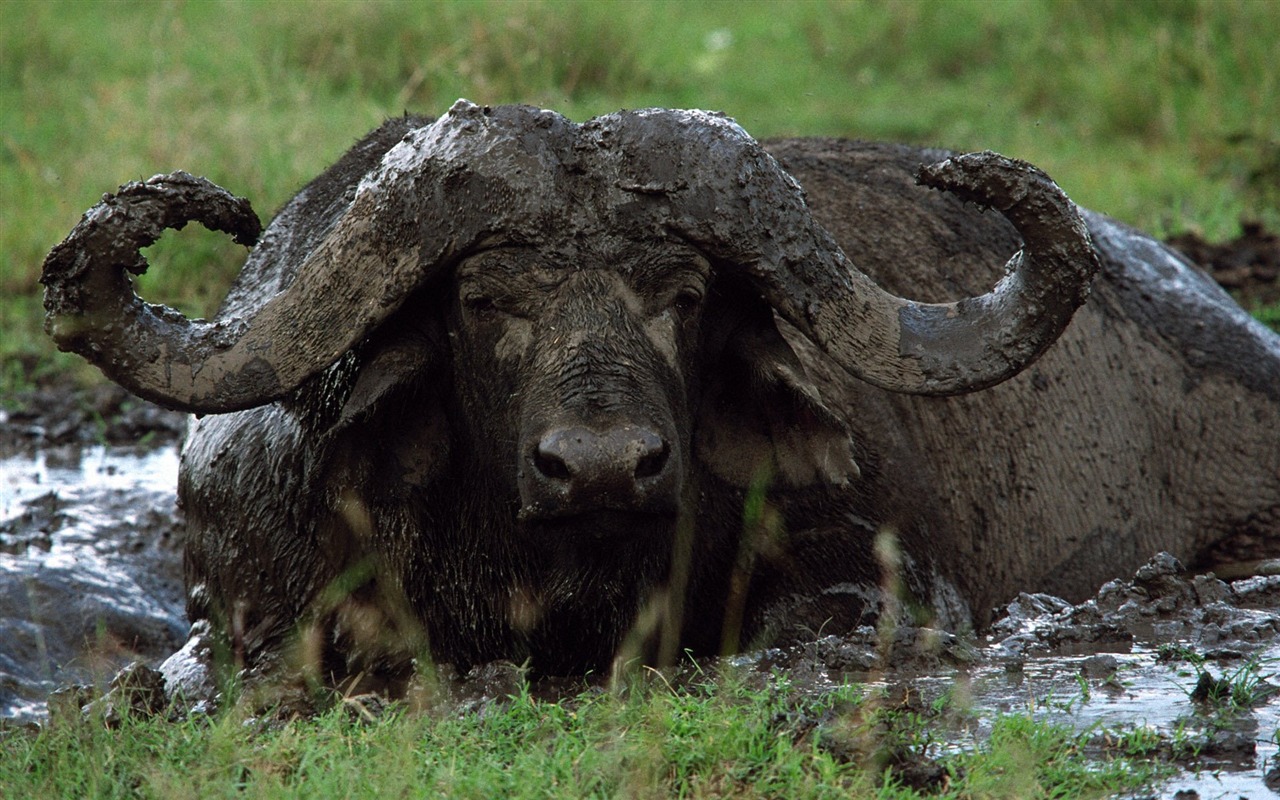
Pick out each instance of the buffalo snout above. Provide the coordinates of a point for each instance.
(576, 470)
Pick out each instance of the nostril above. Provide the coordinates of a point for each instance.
(572, 470)
(581, 460)
(651, 463)
(550, 464)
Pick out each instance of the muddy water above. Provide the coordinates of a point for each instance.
(90, 568)
(1159, 654)
(1122, 692)
(90, 579)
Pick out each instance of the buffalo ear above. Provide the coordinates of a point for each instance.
(394, 413)
(761, 414)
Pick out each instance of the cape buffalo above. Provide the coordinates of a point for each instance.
(502, 386)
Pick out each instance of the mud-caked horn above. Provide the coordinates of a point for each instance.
(224, 364)
(522, 175)
(728, 196)
(433, 196)
(970, 344)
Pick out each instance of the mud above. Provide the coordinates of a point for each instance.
(90, 540)
(57, 414)
(90, 568)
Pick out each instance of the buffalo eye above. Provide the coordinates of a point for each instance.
(686, 302)
(481, 305)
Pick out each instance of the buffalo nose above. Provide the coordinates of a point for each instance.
(582, 455)
(578, 469)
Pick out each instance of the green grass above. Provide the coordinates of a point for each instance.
(1269, 315)
(713, 739)
(1160, 113)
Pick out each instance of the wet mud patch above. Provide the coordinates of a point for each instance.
(56, 413)
(1167, 666)
(90, 568)
(90, 539)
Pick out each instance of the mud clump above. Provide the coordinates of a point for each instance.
(1161, 605)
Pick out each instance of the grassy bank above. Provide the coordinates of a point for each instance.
(1160, 113)
(715, 739)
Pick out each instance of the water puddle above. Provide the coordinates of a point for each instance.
(90, 568)
(1134, 691)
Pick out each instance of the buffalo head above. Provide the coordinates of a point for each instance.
(574, 327)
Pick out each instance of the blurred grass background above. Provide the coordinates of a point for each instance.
(1165, 114)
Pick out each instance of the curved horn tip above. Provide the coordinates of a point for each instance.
(986, 178)
(953, 348)
(211, 205)
(91, 308)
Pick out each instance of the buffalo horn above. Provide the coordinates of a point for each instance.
(728, 196)
(951, 348)
(410, 216)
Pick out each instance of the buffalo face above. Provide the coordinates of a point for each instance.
(565, 420)
(580, 366)
(588, 357)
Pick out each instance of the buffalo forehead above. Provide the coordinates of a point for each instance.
(645, 265)
(567, 291)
